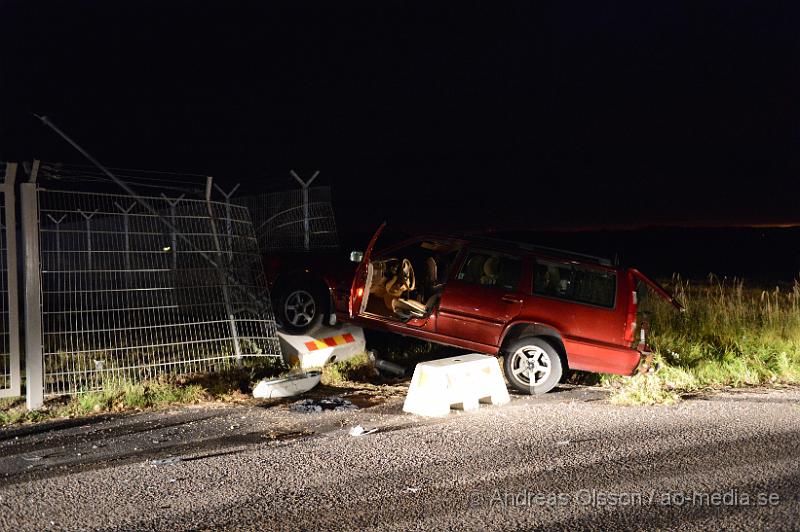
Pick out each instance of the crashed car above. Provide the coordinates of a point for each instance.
(544, 310)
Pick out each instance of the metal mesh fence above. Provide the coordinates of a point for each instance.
(280, 219)
(123, 298)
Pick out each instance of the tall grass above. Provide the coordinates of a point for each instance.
(729, 335)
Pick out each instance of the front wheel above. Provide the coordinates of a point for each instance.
(532, 365)
(300, 310)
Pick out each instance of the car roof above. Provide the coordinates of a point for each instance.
(515, 245)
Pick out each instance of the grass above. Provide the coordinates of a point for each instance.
(358, 368)
(230, 385)
(729, 335)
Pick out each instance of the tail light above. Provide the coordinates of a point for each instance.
(630, 322)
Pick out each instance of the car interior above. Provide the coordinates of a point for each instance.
(408, 283)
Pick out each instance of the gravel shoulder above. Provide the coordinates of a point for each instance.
(567, 459)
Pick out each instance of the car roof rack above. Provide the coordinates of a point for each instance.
(553, 252)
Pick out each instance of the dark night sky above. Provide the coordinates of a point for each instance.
(567, 114)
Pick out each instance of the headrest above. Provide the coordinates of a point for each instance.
(491, 267)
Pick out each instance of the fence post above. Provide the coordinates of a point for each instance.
(237, 349)
(228, 216)
(126, 227)
(173, 213)
(11, 276)
(34, 375)
(88, 218)
(306, 216)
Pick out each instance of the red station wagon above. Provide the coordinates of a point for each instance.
(544, 310)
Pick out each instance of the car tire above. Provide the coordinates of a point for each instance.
(300, 309)
(536, 355)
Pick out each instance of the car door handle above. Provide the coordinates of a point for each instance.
(508, 298)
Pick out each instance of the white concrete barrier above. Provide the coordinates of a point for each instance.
(467, 379)
(329, 344)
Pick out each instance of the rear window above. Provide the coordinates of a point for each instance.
(576, 283)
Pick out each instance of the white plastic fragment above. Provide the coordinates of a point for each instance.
(287, 386)
(358, 430)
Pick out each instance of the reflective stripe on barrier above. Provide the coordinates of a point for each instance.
(330, 341)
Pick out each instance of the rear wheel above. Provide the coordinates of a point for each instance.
(300, 310)
(532, 365)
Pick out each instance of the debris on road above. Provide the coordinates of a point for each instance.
(334, 403)
(358, 430)
(167, 461)
(287, 386)
(384, 366)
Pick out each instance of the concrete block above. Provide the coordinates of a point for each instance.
(465, 380)
(329, 344)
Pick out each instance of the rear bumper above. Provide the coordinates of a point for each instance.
(601, 357)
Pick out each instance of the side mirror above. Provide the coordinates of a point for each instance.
(356, 256)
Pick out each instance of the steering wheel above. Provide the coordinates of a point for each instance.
(404, 281)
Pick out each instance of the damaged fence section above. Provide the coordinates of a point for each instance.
(293, 220)
(125, 296)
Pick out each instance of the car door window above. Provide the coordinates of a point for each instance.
(575, 283)
(491, 269)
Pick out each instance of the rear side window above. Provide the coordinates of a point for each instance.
(491, 269)
(575, 283)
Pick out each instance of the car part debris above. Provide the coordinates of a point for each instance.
(287, 386)
(385, 366)
(358, 430)
(334, 403)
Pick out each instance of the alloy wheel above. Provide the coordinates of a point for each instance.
(299, 308)
(531, 365)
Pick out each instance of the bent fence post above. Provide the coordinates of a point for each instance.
(237, 349)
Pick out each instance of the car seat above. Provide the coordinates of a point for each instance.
(406, 307)
(474, 269)
(433, 284)
(491, 271)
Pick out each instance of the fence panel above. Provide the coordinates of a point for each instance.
(283, 223)
(123, 298)
(9, 325)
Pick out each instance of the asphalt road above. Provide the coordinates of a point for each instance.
(564, 461)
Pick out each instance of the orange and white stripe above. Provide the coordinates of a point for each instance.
(331, 341)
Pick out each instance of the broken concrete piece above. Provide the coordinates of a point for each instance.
(327, 345)
(287, 386)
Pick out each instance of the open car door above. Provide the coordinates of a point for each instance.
(657, 288)
(361, 277)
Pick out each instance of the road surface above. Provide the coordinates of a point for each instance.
(563, 461)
